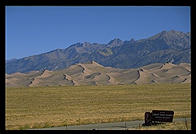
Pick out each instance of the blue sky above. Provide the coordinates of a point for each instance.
(32, 30)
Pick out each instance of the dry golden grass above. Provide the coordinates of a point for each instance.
(36, 107)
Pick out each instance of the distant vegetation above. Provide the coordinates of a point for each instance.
(37, 107)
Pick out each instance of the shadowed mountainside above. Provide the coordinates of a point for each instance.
(166, 46)
(92, 73)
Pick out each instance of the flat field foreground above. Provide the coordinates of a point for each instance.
(39, 107)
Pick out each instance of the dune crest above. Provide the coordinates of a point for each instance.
(36, 80)
(95, 74)
(167, 66)
(96, 64)
(18, 74)
(69, 78)
(186, 65)
(112, 80)
(85, 70)
(46, 74)
(143, 77)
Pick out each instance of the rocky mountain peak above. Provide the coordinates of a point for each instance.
(172, 45)
(172, 34)
(175, 39)
(115, 42)
(86, 44)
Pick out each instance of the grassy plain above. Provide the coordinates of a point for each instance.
(37, 107)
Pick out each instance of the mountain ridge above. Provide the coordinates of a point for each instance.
(162, 47)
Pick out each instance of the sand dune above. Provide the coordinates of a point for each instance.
(178, 71)
(90, 67)
(153, 66)
(46, 74)
(186, 65)
(155, 75)
(36, 80)
(112, 80)
(11, 82)
(17, 74)
(177, 79)
(145, 77)
(96, 64)
(95, 74)
(167, 66)
(187, 80)
(85, 70)
(69, 78)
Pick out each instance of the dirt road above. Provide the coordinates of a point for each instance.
(105, 126)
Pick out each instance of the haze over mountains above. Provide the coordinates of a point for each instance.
(93, 73)
(166, 46)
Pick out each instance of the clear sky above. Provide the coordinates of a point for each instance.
(32, 30)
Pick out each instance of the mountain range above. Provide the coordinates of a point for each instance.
(166, 46)
(92, 73)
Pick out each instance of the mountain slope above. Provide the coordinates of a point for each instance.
(167, 46)
(93, 73)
